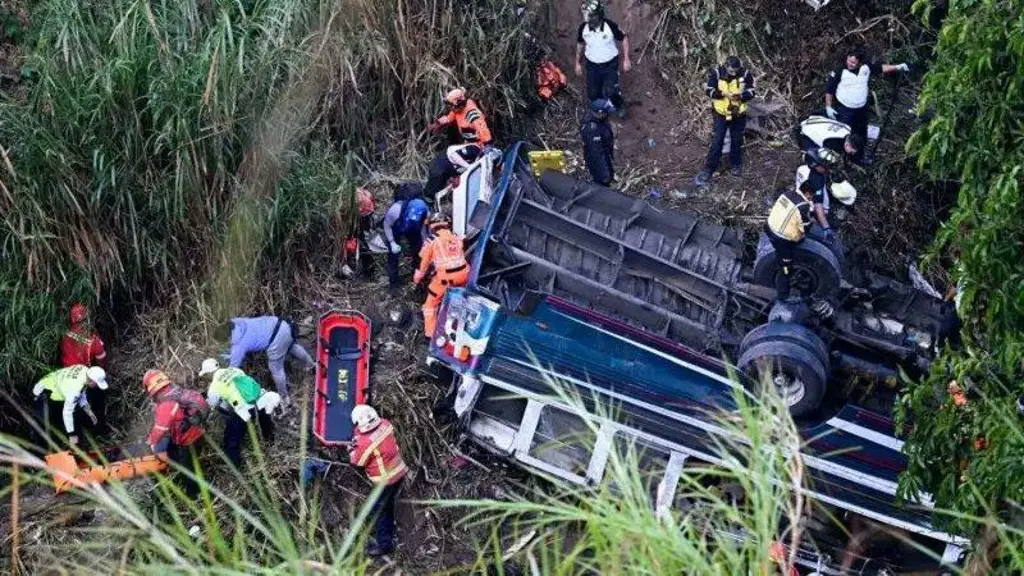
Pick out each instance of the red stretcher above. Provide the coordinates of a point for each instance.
(342, 374)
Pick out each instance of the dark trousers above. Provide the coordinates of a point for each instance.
(185, 457)
(235, 431)
(51, 419)
(98, 402)
(735, 128)
(383, 513)
(857, 120)
(603, 82)
(414, 242)
(784, 250)
(440, 172)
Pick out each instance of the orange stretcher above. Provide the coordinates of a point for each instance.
(342, 374)
(121, 463)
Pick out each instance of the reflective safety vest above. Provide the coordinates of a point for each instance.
(235, 387)
(66, 383)
(471, 123)
(724, 106)
(550, 79)
(787, 220)
(81, 346)
(377, 452)
(445, 253)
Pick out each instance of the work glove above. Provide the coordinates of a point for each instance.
(830, 112)
(395, 248)
(904, 67)
(73, 439)
(417, 277)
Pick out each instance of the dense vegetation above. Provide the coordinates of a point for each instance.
(970, 454)
(146, 127)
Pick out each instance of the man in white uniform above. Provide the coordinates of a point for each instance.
(596, 39)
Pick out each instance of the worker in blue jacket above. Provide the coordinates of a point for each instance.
(599, 142)
(404, 219)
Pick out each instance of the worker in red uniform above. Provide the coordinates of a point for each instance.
(374, 448)
(82, 346)
(177, 419)
(466, 116)
(448, 258)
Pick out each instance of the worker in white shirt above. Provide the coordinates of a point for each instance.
(596, 39)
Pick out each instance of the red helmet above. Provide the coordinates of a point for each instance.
(155, 381)
(365, 201)
(79, 313)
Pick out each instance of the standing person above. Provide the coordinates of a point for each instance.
(237, 397)
(81, 344)
(787, 226)
(177, 423)
(64, 390)
(596, 39)
(272, 335)
(599, 142)
(730, 87)
(455, 160)
(355, 249)
(404, 220)
(445, 254)
(847, 89)
(466, 116)
(374, 448)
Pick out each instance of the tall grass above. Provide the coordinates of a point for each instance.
(123, 165)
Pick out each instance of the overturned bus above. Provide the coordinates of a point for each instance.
(651, 311)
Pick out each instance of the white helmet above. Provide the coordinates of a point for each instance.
(268, 402)
(365, 418)
(209, 366)
(844, 192)
(99, 376)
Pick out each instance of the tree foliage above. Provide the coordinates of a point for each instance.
(968, 449)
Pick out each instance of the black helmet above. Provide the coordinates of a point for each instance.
(733, 63)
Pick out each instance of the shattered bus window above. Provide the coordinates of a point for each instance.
(564, 440)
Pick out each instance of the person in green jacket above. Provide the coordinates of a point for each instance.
(64, 390)
(238, 396)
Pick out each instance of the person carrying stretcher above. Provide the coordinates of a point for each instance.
(444, 251)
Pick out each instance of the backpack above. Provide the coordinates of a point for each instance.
(248, 388)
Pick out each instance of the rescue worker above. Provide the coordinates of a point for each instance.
(730, 87)
(848, 87)
(404, 220)
(270, 334)
(177, 423)
(374, 448)
(550, 79)
(64, 390)
(466, 116)
(445, 253)
(355, 248)
(453, 162)
(237, 396)
(787, 226)
(817, 169)
(82, 345)
(596, 39)
(599, 142)
(821, 132)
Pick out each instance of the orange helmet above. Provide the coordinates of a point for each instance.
(365, 201)
(79, 313)
(155, 381)
(437, 222)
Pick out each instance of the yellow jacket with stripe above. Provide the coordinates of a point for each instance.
(790, 216)
(721, 87)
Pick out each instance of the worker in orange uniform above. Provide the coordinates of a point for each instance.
(466, 116)
(177, 419)
(445, 253)
(81, 345)
(374, 448)
(354, 250)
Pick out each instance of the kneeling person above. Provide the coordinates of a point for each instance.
(787, 227)
(445, 253)
(237, 396)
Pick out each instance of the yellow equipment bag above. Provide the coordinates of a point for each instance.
(541, 160)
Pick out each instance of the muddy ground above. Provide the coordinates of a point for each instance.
(660, 147)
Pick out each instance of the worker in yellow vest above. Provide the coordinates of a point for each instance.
(238, 396)
(730, 87)
(64, 390)
(787, 226)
